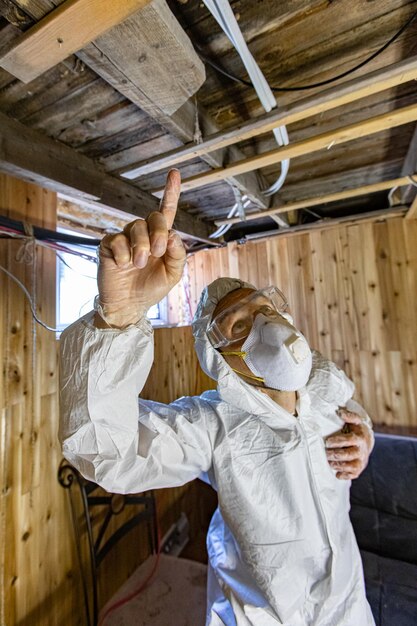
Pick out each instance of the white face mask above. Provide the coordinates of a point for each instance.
(277, 353)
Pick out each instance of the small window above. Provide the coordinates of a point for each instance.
(77, 286)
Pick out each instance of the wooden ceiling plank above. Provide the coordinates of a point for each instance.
(180, 124)
(63, 31)
(348, 92)
(323, 199)
(155, 56)
(308, 146)
(26, 153)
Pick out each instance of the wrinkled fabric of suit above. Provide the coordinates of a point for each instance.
(281, 546)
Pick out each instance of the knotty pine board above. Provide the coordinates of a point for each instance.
(353, 292)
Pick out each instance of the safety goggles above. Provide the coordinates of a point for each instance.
(235, 323)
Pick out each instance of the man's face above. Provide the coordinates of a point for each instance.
(235, 314)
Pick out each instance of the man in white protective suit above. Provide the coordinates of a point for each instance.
(279, 440)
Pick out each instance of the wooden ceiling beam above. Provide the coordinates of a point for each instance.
(63, 31)
(308, 146)
(348, 92)
(26, 153)
(320, 200)
(180, 124)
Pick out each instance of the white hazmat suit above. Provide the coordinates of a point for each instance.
(281, 547)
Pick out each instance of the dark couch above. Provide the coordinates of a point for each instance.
(384, 516)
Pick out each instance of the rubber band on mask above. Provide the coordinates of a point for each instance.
(242, 355)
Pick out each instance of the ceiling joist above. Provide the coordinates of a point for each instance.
(63, 31)
(26, 153)
(323, 199)
(112, 69)
(375, 82)
(307, 146)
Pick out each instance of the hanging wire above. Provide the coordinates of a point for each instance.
(248, 83)
(28, 296)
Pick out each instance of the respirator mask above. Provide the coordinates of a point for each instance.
(277, 354)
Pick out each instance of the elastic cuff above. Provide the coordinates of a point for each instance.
(143, 324)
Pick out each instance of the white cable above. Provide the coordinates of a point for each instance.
(225, 227)
(223, 14)
(27, 294)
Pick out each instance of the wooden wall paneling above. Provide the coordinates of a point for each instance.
(331, 288)
(223, 265)
(262, 263)
(191, 278)
(403, 298)
(367, 386)
(39, 569)
(200, 281)
(353, 315)
(285, 282)
(208, 269)
(254, 273)
(410, 363)
(386, 286)
(14, 579)
(323, 324)
(243, 262)
(357, 260)
(373, 292)
(399, 394)
(295, 260)
(233, 262)
(349, 355)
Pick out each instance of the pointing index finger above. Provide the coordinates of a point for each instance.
(169, 201)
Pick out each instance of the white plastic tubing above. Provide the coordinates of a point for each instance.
(223, 14)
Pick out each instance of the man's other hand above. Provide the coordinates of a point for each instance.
(348, 451)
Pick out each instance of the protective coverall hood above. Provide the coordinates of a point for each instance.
(210, 359)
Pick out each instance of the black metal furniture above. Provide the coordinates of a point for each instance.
(98, 546)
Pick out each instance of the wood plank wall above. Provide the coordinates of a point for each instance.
(353, 292)
(38, 582)
(39, 573)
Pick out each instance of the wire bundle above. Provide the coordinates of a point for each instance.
(12, 229)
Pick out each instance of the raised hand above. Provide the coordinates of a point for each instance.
(139, 266)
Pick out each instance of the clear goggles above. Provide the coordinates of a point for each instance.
(235, 323)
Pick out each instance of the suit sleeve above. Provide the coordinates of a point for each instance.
(333, 386)
(123, 444)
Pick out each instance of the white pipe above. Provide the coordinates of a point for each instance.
(224, 15)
